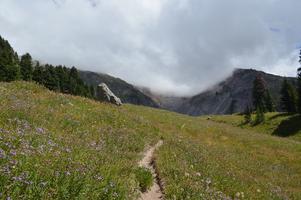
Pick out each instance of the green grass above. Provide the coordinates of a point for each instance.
(276, 124)
(55, 146)
(145, 178)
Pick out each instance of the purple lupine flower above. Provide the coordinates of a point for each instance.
(2, 153)
(13, 153)
(40, 130)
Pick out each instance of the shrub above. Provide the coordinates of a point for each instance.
(144, 178)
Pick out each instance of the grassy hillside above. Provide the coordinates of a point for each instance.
(276, 124)
(55, 146)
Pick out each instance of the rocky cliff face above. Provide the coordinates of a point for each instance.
(230, 96)
(125, 91)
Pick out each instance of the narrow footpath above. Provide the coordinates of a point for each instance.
(155, 192)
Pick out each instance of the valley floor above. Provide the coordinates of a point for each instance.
(55, 146)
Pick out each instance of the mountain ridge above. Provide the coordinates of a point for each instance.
(128, 93)
(232, 95)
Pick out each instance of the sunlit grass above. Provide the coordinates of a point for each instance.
(55, 146)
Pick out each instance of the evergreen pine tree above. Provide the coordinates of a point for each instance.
(259, 92)
(62, 75)
(288, 97)
(38, 74)
(50, 79)
(269, 104)
(259, 116)
(248, 115)
(9, 62)
(26, 67)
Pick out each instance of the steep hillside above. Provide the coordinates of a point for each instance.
(56, 146)
(232, 95)
(125, 91)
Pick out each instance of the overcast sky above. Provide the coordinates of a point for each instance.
(171, 46)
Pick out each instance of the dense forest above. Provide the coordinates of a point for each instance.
(56, 78)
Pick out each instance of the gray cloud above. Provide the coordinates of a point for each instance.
(174, 46)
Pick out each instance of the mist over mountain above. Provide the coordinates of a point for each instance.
(233, 95)
(172, 46)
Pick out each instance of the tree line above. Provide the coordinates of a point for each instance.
(290, 98)
(56, 78)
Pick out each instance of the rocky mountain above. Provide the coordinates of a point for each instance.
(230, 96)
(125, 91)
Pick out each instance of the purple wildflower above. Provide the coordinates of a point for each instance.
(2, 153)
(13, 153)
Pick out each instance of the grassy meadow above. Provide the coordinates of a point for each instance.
(55, 146)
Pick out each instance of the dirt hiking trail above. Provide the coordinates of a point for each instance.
(155, 192)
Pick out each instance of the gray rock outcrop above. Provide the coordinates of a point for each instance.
(106, 95)
(127, 93)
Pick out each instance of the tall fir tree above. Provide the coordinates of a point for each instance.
(62, 74)
(50, 78)
(9, 62)
(38, 73)
(299, 84)
(288, 97)
(269, 103)
(259, 92)
(26, 67)
(248, 115)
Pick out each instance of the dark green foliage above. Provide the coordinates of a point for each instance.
(38, 74)
(51, 81)
(77, 86)
(259, 118)
(144, 178)
(259, 93)
(248, 115)
(262, 98)
(26, 67)
(269, 104)
(63, 78)
(92, 91)
(9, 62)
(288, 97)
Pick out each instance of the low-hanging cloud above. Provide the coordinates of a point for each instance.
(172, 46)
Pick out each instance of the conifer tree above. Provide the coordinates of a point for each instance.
(248, 115)
(38, 74)
(26, 67)
(9, 62)
(259, 92)
(288, 97)
(50, 79)
(269, 104)
(259, 116)
(62, 75)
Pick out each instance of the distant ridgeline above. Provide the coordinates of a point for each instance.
(56, 78)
